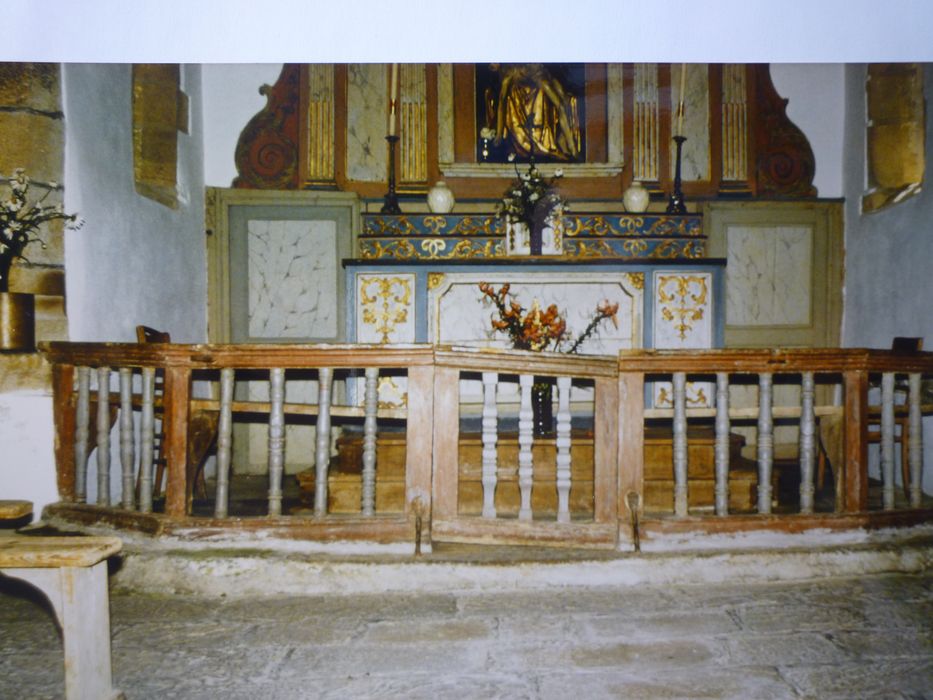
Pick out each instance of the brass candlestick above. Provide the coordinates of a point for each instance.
(390, 205)
(676, 203)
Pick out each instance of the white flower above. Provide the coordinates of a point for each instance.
(533, 197)
(559, 172)
(511, 157)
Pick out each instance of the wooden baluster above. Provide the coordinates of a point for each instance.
(82, 432)
(525, 442)
(765, 442)
(887, 440)
(276, 438)
(224, 443)
(127, 439)
(563, 449)
(103, 436)
(490, 437)
(325, 376)
(807, 443)
(722, 444)
(371, 406)
(146, 439)
(680, 443)
(916, 440)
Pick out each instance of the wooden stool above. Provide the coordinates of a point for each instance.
(14, 514)
(72, 573)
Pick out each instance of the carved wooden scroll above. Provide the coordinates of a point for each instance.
(267, 151)
(785, 160)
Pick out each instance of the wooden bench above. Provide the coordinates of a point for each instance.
(72, 573)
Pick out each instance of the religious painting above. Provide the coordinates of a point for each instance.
(532, 110)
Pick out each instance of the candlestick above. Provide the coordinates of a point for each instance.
(675, 204)
(390, 201)
(393, 98)
(680, 107)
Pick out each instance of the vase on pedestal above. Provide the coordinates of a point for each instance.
(440, 198)
(636, 198)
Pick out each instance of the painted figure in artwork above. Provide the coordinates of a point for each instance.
(534, 114)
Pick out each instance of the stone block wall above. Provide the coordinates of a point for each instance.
(32, 134)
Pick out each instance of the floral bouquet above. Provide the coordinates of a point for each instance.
(20, 221)
(536, 329)
(531, 198)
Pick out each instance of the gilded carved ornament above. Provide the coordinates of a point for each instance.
(683, 299)
(385, 302)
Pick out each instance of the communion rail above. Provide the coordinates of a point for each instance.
(578, 482)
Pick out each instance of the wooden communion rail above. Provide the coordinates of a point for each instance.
(584, 485)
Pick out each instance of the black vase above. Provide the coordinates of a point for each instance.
(542, 406)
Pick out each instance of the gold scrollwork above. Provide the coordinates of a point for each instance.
(634, 247)
(477, 226)
(435, 280)
(636, 279)
(684, 306)
(386, 305)
(432, 246)
(388, 386)
(400, 250)
(397, 226)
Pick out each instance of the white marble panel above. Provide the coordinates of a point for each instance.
(445, 113)
(768, 275)
(292, 270)
(695, 161)
(367, 99)
(459, 315)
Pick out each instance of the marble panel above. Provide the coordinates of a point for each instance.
(615, 111)
(292, 272)
(768, 278)
(695, 154)
(367, 97)
(445, 113)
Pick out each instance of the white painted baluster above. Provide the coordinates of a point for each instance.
(490, 437)
(887, 440)
(371, 406)
(224, 443)
(127, 439)
(103, 436)
(680, 443)
(563, 449)
(722, 444)
(525, 441)
(807, 442)
(276, 438)
(325, 376)
(765, 442)
(915, 447)
(146, 440)
(82, 418)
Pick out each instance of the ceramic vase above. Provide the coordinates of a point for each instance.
(440, 198)
(636, 198)
(17, 322)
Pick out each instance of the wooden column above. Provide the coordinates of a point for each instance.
(175, 401)
(915, 447)
(64, 417)
(446, 440)
(605, 450)
(631, 427)
(418, 450)
(856, 441)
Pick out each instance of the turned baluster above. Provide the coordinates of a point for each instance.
(722, 444)
(807, 442)
(765, 442)
(679, 427)
(82, 432)
(325, 376)
(563, 449)
(276, 439)
(127, 439)
(146, 439)
(490, 437)
(103, 436)
(915, 447)
(887, 440)
(224, 443)
(371, 406)
(525, 442)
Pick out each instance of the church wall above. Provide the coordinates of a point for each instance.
(135, 261)
(889, 285)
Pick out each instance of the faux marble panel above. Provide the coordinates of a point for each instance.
(458, 314)
(292, 270)
(615, 110)
(385, 310)
(768, 276)
(367, 98)
(695, 158)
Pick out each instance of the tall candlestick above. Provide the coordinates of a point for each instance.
(393, 98)
(680, 106)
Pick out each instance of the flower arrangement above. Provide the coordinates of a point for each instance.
(532, 198)
(535, 329)
(20, 221)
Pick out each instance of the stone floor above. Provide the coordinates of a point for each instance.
(867, 637)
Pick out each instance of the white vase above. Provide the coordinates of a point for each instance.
(440, 198)
(636, 198)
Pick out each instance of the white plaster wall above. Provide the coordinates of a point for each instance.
(231, 98)
(135, 261)
(816, 104)
(889, 287)
(27, 467)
